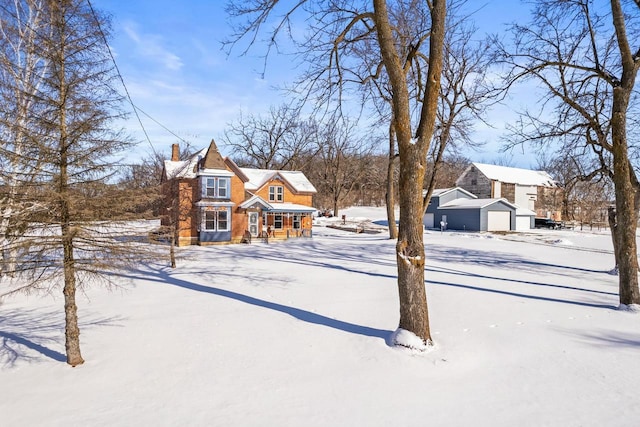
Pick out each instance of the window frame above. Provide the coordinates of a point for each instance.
(224, 187)
(211, 219)
(276, 221)
(216, 187)
(276, 193)
(210, 187)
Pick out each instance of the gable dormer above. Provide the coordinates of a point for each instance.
(214, 177)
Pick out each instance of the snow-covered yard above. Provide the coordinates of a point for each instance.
(527, 330)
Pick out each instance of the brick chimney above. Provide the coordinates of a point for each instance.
(175, 153)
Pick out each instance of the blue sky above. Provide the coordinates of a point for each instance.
(170, 56)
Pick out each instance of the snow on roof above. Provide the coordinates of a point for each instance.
(516, 175)
(258, 177)
(183, 168)
(472, 203)
(290, 207)
(438, 192)
(524, 212)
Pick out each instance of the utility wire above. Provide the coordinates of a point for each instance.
(160, 124)
(135, 109)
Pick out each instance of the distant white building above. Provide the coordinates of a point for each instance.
(532, 190)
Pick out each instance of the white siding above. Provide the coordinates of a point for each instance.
(526, 196)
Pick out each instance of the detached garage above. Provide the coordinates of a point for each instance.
(479, 214)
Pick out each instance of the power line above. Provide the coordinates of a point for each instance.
(160, 124)
(135, 109)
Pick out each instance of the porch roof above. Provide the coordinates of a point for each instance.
(290, 207)
(256, 200)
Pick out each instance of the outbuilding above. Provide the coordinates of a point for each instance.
(458, 209)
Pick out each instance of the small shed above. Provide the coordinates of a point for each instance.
(433, 216)
(525, 219)
(479, 215)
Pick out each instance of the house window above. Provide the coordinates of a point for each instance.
(277, 222)
(211, 187)
(222, 187)
(216, 220)
(276, 193)
(210, 221)
(217, 188)
(223, 223)
(474, 182)
(296, 222)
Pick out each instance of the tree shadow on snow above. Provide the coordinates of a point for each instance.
(30, 334)
(496, 259)
(607, 338)
(300, 314)
(522, 295)
(25, 333)
(517, 281)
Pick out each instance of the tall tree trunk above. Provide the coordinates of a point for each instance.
(414, 316)
(625, 181)
(626, 206)
(72, 331)
(390, 196)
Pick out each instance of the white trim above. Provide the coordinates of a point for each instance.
(203, 203)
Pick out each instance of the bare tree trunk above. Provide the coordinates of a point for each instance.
(391, 196)
(72, 331)
(626, 184)
(626, 210)
(172, 250)
(414, 316)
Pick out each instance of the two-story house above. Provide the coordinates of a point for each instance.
(209, 199)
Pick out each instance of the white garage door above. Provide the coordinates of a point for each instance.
(498, 221)
(428, 220)
(523, 223)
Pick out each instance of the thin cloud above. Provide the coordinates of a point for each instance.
(151, 46)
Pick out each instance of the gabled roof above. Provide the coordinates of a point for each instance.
(259, 177)
(213, 159)
(204, 162)
(474, 203)
(439, 192)
(514, 175)
(254, 201)
(210, 162)
(183, 168)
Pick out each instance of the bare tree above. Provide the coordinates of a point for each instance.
(144, 181)
(464, 96)
(69, 236)
(338, 168)
(340, 25)
(278, 141)
(21, 74)
(580, 54)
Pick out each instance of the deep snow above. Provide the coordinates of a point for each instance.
(526, 326)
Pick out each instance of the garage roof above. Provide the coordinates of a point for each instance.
(474, 203)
